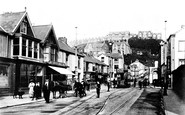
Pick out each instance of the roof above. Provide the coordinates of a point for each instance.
(81, 46)
(93, 60)
(41, 31)
(9, 21)
(116, 55)
(97, 44)
(89, 59)
(65, 47)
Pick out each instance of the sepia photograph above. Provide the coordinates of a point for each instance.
(92, 57)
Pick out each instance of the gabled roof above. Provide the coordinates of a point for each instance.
(65, 47)
(9, 22)
(42, 31)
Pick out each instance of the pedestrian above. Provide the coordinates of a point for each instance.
(114, 83)
(98, 87)
(76, 88)
(135, 82)
(36, 91)
(80, 89)
(31, 90)
(140, 84)
(84, 88)
(46, 91)
(108, 86)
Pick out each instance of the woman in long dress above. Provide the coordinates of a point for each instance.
(31, 86)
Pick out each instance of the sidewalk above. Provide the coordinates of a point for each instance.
(8, 101)
(173, 105)
(148, 103)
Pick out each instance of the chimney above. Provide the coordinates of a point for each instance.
(62, 39)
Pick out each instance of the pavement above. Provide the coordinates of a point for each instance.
(172, 105)
(9, 101)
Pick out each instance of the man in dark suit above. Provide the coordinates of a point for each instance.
(98, 87)
(46, 91)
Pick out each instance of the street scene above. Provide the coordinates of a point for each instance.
(92, 58)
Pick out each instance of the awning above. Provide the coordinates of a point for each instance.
(62, 70)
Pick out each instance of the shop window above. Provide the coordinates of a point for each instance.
(16, 46)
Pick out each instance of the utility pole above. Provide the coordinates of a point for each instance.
(165, 74)
(76, 58)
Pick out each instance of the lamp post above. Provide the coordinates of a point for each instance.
(76, 57)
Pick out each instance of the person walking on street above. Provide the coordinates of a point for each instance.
(76, 87)
(31, 88)
(98, 87)
(46, 91)
(108, 86)
(135, 82)
(114, 83)
(140, 84)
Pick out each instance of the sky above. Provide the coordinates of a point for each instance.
(96, 18)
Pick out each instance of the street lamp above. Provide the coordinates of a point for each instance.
(76, 57)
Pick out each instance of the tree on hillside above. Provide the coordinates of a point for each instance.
(152, 45)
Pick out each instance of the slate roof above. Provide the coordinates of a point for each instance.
(93, 60)
(116, 55)
(81, 46)
(65, 47)
(41, 31)
(9, 21)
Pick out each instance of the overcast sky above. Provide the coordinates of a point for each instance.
(96, 18)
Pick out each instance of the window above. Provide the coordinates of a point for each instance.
(67, 55)
(181, 46)
(46, 54)
(115, 59)
(23, 27)
(102, 59)
(35, 50)
(181, 62)
(115, 66)
(30, 48)
(16, 46)
(23, 47)
(52, 54)
(78, 62)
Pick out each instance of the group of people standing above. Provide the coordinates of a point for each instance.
(80, 88)
(35, 90)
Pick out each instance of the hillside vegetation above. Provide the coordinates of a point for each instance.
(150, 49)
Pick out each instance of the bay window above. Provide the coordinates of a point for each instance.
(16, 46)
(30, 48)
(23, 47)
(52, 54)
(35, 50)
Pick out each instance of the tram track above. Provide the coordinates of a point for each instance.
(125, 98)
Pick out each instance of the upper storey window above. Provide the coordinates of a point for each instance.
(23, 27)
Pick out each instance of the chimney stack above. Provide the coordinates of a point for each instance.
(62, 39)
